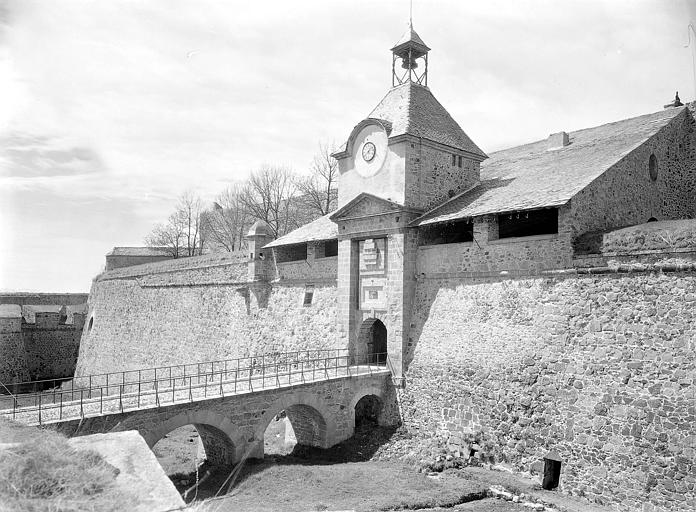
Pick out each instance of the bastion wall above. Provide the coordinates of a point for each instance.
(38, 345)
(598, 367)
(204, 309)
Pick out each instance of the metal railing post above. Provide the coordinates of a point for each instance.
(39, 409)
(120, 396)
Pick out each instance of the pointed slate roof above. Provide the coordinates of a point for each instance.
(412, 109)
(412, 38)
(531, 176)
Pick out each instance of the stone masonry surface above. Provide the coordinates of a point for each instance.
(599, 368)
(200, 314)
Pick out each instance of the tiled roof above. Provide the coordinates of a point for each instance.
(412, 109)
(322, 228)
(138, 251)
(531, 176)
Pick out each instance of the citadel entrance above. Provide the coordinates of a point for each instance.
(372, 341)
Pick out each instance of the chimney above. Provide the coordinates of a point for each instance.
(557, 141)
(676, 103)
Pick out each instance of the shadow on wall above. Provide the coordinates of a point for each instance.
(422, 303)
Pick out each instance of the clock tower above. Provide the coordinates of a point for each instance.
(407, 156)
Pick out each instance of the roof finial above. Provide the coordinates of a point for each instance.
(410, 14)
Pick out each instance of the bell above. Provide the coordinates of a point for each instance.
(409, 62)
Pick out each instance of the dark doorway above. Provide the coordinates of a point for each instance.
(377, 343)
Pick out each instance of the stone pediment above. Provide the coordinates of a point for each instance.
(364, 205)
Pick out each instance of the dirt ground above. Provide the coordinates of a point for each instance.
(339, 479)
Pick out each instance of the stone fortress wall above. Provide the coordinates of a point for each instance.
(39, 342)
(598, 367)
(204, 308)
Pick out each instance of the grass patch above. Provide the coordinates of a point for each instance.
(665, 235)
(291, 484)
(43, 473)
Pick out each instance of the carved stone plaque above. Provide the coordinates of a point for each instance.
(373, 271)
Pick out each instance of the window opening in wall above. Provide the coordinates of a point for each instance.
(291, 253)
(459, 162)
(652, 219)
(531, 223)
(330, 248)
(652, 167)
(308, 296)
(90, 325)
(447, 233)
(454, 160)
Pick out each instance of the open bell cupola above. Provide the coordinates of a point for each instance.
(412, 52)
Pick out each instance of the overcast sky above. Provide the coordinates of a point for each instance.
(109, 110)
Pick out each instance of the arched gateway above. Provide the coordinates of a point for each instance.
(372, 342)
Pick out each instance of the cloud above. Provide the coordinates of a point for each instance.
(33, 156)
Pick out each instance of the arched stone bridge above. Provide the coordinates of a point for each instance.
(231, 428)
(229, 406)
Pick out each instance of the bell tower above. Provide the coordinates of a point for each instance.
(410, 51)
(407, 156)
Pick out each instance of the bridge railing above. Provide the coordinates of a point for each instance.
(102, 396)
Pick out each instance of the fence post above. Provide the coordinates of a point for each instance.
(82, 409)
(60, 411)
(39, 408)
(120, 396)
(190, 393)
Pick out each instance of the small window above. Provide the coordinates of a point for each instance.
(459, 163)
(532, 223)
(330, 248)
(652, 167)
(447, 233)
(308, 296)
(454, 160)
(90, 325)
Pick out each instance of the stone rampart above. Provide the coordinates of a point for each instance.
(200, 309)
(38, 342)
(598, 367)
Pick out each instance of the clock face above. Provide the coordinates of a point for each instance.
(368, 151)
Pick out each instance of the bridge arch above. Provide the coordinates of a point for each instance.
(222, 440)
(312, 421)
(364, 392)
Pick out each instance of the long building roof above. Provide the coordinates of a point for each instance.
(322, 228)
(532, 176)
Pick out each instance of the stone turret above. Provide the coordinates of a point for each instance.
(260, 264)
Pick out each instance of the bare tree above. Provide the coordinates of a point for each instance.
(167, 236)
(181, 234)
(225, 224)
(269, 195)
(318, 192)
(189, 211)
